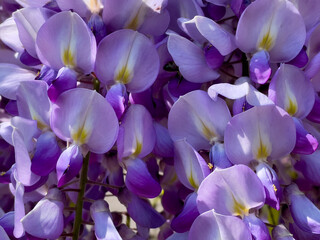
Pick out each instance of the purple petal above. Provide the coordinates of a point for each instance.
(68, 164)
(46, 155)
(65, 40)
(66, 79)
(164, 145)
(253, 135)
(139, 180)
(45, 220)
(260, 28)
(231, 191)
(118, 98)
(79, 7)
(301, 59)
(33, 102)
(220, 38)
(103, 227)
(218, 156)
(213, 57)
(29, 21)
(190, 60)
(211, 225)
(258, 229)
(137, 137)
(10, 78)
(271, 185)
(314, 114)
(132, 60)
(189, 27)
(141, 211)
(75, 115)
(7, 222)
(292, 91)
(190, 167)
(305, 142)
(3, 234)
(199, 119)
(309, 165)
(186, 217)
(308, 219)
(260, 70)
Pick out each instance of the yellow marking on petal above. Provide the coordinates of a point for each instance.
(207, 132)
(80, 136)
(2, 173)
(40, 124)
(136, 18)
(239, 209)
(123, 75)
(210, 166)
(138, 149)
(267, 42)
(68, 58)
(274, 188)
(263, 152)
(192, 182)
(94, 6)
(291, 107)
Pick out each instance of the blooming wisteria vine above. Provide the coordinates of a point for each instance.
(199, 119)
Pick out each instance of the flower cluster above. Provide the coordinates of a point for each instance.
(200, 118)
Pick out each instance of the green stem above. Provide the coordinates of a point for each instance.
(79, 206)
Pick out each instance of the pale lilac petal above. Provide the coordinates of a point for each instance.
(211, 225)
(45, 220)
(19, 211)
(137, 137)
(257, 228)
(292, 91)
(190, 28)
(23, 162)
(186, 217)
(65, 40)
(132, 60)
(29, 21)
(229, 90)
(220, 38)
(31, 3)
(261, 28)
(9, 35)
(147, 16)
(75, 115)
(190, 167)
(260, 70)
(253, 135)
(103, 227)
(10, 77)
(68, 164)
(313, 67)
(139, 180)
(231, 191)
(33, 102)
(77, 6)
(199, 119)
(190, 60)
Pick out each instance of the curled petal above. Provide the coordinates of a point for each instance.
(19, 211)
(190, 59)
(258, 229)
